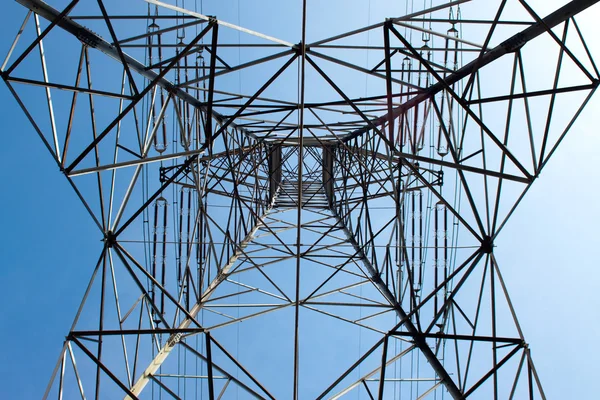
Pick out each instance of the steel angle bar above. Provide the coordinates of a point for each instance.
(587, 50)
(229, 120)
(482, 51)
(47, 89)
(463, 180)
(119, 314)
(561, 43)
(358, 68)
(508, 46)
(162, 355)
(94, 40)
(349, 321)
(346, 304)
(420, 342)
(349, 370)
(211, 89)
(188, 84)
(69, 88)
(123, 332)
(569, 126)
(460, 101)
(15, 41)
(428, 392)
(220, 22)
(122, 254)
(55, 371)
(534, 94)
(211, 389)
(492, 339)
(54, 21)
(76, 371)
(343, 35)
(158, 79)
(166, 388)
(118, 46)
(41, 135)
(388, 81)
(493, 370)
(241, 367)
(235, 320)
(101, 366)
(551, 106)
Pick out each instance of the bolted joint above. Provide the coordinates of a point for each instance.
(173, 340)
(514, 43)
(87, 37)
(376, 278)
(298, 48)
(110, 239)
(487, 244)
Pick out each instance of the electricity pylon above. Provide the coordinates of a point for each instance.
(305, 237)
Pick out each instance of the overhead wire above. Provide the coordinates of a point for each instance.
(424, 236)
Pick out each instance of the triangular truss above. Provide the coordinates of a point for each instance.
(298, 237)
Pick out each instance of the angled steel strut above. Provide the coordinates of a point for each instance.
(508, 46)
(93, 40)
(276, 162)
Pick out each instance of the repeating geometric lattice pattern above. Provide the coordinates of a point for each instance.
(271, 229)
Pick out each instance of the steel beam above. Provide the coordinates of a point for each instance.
(418, 339)
(328, 174)
(164, 353)
(94, 40)
(275, 168)
(508, 46)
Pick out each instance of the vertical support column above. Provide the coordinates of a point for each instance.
(274, 170)
(328, 177)
(417, 335)
(388, 80)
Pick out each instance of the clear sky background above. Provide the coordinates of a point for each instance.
(547, 252)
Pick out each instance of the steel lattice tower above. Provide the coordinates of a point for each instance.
(272, 228)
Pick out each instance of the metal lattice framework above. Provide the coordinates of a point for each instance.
(274, 230)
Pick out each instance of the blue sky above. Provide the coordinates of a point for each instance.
(546, 253)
